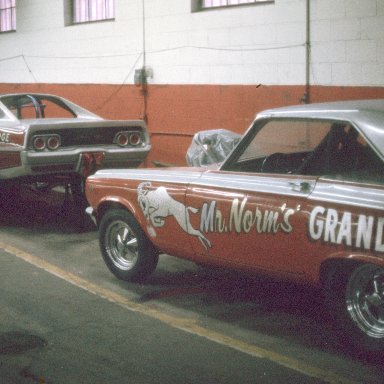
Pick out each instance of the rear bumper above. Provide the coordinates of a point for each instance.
(71, 161)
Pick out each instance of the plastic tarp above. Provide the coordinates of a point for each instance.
(211, 147)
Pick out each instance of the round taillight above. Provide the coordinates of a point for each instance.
(39, 143)
(134, 139)
(53, 142)
(122, 139)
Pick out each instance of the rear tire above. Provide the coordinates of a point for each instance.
(355, 296)
(125, 248)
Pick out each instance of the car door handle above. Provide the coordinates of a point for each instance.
(300, 186)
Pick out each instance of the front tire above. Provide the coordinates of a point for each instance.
(125, 248)
(356, 297)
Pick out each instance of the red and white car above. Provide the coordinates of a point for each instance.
(301, 197)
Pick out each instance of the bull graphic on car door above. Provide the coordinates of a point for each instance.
(157, 204)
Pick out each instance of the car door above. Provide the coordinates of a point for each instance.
(254, 211)
(251, 221)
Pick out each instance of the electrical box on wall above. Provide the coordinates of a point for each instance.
(142, 75)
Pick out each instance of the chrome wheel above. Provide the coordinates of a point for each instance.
(121, 245)
(365, 299)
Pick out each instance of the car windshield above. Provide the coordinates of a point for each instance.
(307, 147)
(37, 106)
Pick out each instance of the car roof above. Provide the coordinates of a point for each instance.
(330, 108)
(67, 104)
(20, 94)
(366, 115)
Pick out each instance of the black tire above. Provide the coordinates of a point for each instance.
(355, 297)
(125, 248)
(76, 188)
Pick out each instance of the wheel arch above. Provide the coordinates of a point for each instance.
(336, 266)
(343, 264)
(114, 203)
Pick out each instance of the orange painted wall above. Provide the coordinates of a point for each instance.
(175, 112)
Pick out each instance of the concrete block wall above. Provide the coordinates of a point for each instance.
(211, 69)
(347, 41)
(252, 44)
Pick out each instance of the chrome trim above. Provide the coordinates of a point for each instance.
(156, 175)
(91, 213)
(342, 193)
(261, 184)
(254, 183)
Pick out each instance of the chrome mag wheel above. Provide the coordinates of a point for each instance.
(121, 245)
(125, 248)
(365, 299)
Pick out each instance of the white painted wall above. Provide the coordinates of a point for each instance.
(262, 43)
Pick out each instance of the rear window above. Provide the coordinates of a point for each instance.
(37, 107)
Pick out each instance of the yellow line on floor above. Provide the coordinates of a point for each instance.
(187, 325)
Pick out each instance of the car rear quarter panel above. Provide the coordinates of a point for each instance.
(345, 223)
(11, 145)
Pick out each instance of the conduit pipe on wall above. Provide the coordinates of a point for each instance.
(143, 71)
(307, 94)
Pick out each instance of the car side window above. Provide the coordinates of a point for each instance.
(279, 146)
(344, 154)
(317, 148)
